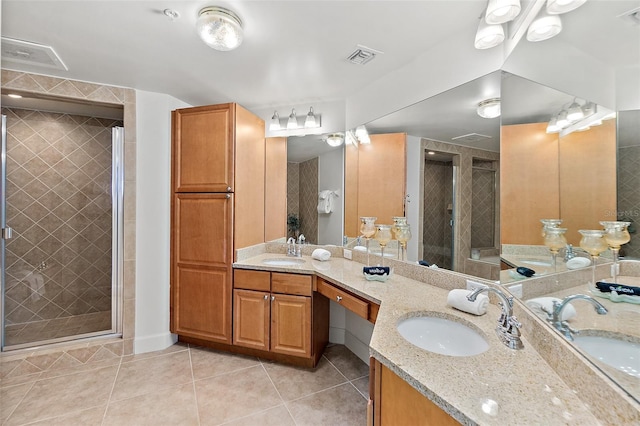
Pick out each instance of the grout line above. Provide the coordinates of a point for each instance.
(193, 384)
(21, 401)
(280, 395)
(337, 369)
(113, 386)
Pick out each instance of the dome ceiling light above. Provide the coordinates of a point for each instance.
(488, 35)
(489, 108)
(219, 28)
(335, 139)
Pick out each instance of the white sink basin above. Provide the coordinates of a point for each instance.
(442, 336)
(284, 261)
(619, 354)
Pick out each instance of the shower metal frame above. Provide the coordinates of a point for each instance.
(117, 249)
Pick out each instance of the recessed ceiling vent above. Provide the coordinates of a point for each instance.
(28, 53)
(362, 55)
(632, 16)
(471, 137)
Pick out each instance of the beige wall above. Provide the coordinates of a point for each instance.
(63, 88)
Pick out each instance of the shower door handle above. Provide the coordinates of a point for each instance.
(7, 233)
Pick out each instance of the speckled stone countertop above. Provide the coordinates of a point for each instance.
(498, 387)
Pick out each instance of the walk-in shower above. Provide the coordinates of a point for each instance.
(61, 207)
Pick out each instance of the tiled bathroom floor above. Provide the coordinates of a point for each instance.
(186, 385)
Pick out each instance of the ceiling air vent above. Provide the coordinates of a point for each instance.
(362, 55)
(632, 16)
(471, 137)
(26, 52)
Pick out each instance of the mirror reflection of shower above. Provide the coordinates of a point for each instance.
(438, 222)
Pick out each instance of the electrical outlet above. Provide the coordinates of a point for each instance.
(347, 254)
(516, 290)
(472, 285)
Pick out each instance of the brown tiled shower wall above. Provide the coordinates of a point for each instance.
(58, 264)
(629, 196)
(302, 196)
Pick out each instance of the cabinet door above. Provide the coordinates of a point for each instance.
(291, 325)
(201, 259)
(251, 315)
(203, 148)
(201, 303)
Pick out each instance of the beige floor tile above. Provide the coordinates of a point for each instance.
(171, 349)
(80, 368)
(296, 382)
(342, 405)
(172, 406)
(346, 362)
(235, 395)
(210, 363)
(10, 397)
(152, 374)
(362, 384)
(277, 416)
(89, 417)
(64, 395)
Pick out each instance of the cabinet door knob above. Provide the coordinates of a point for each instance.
(228, 189)
(228, 196)
(273, 298)
(338, 298)
(266, 297)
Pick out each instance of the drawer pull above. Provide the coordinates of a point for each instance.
(228, 189)
(338, 298)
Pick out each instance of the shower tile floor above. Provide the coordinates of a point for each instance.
(39, 331)
(188, 385)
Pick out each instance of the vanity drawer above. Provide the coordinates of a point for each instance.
(349, 301)
(296, 284)
(252, 280)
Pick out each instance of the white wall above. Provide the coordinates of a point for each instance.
(331, 177)
(153, 214)
(413, 191)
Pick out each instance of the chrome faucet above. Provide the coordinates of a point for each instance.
(569, 253)
(555, 317)
(508, 328)
(291, 247)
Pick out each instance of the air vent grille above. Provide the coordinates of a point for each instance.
(471, 137)
(26, 52)
(362, 55)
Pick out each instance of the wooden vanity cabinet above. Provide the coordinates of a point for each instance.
(396, 402)
(278, 313)
(217, 206)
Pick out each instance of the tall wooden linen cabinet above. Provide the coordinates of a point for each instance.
(216, 207)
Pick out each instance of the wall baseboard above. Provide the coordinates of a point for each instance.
(156, 342)
(336, 335)
(359, 348)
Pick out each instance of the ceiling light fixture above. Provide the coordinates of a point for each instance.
(489, 108)
(556, 7)
(553, 127)
(501, 11)
(310, 121)
(292, 122)
(219, 28)
(562, 119)
(575, 113)
(14, 95)
(350, 138)
(488, 35)
(335, 139)
(362, 135)
(544, 27)
(274, 124)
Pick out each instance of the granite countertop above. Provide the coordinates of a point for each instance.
(500, 386)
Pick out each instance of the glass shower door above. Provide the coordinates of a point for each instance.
(63, 200)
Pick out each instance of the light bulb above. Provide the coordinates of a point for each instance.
(292, 122)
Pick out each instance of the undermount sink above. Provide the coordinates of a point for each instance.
(284, 261)
(617, 353)
(442, 336)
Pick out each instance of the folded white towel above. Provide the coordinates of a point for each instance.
(458, 299)
(325, 202)
(360, 248)
(544, 305)
(321, 254)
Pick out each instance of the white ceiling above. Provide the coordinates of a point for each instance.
(294, 52)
